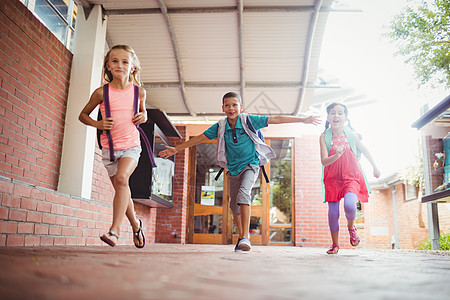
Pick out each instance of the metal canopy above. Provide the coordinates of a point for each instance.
(194, 51)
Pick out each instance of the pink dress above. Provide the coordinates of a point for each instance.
(344, 175)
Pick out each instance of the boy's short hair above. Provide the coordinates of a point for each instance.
(232, 95)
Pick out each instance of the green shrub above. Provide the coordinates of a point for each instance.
(444, 243)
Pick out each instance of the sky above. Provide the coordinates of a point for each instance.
(355, 50)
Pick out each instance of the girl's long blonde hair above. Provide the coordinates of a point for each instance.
(134, 76)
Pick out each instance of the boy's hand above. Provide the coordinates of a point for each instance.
(314, 120)
(105, 124)
(168, 152)
(376, 172)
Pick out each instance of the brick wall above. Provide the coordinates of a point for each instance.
(34, 80)
(311, 223)
(32, 216)
(379, 216)
(411, 219)
(34, 76)
(171, 223)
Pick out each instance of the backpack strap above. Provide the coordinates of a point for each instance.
(328, 137)
(99, 132)
(218, 174)
(141, 132)
(350, 134)
(108, 115)
(250, 126)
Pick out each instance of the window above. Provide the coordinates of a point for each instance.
(163, 175)
(410, 192)
(57, 15)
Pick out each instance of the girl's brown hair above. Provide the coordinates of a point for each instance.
(134, 76)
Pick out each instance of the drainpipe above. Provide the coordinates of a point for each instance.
(394, 204)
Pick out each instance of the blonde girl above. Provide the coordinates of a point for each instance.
(120, 71)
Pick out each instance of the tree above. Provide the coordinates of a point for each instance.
(423, 37)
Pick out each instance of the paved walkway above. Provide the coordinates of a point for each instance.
(167, 271)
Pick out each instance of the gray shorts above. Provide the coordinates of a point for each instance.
(111, 167)
(241, 188)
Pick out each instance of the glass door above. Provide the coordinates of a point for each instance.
(208, 212)
(281, 193)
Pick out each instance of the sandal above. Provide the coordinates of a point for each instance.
(106, 238)
(136, 236)
(354, 239)
(334, 249)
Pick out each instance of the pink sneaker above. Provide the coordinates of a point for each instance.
(354, 239)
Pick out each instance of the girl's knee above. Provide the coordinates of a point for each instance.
(350, 211)
(121, 179)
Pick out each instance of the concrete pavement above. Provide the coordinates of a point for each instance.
(169, 271)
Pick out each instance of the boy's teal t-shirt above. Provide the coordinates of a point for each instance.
(243, 152)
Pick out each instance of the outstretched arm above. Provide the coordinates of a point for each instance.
(291, 119)
(189, 143)
(365, 151)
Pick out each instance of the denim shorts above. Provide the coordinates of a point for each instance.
(111, 167)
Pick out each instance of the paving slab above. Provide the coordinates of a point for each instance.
(174, 271)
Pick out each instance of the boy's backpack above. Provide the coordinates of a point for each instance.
(260, 136)
(108, 132)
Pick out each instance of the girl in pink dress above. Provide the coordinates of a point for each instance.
(343, 177)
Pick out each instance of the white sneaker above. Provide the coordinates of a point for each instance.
(245, 245)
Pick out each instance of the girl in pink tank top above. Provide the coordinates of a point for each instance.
(120, 70)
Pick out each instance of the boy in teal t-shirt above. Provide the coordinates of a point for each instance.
(242, 159)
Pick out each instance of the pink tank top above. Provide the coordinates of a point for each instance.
(124, 133)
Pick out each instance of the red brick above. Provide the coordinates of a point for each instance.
(59, 241)
(8, 227)
(33, 216)
(41, 229)
(11, 201)
(22, 190)
(25, 228)
(17, 215)
(57, 209)
(2, 240)
(55, 230)
(4, 211)
(67, 231)
(15, 240)
(6, 187)
(47, 241)
(48, 218)
(43, 206)
(36, 193)
(31, 240)
(29, 204)
(61, 220)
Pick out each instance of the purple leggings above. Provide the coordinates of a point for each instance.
(350, 200)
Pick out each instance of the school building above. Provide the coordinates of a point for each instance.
(54, 189)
